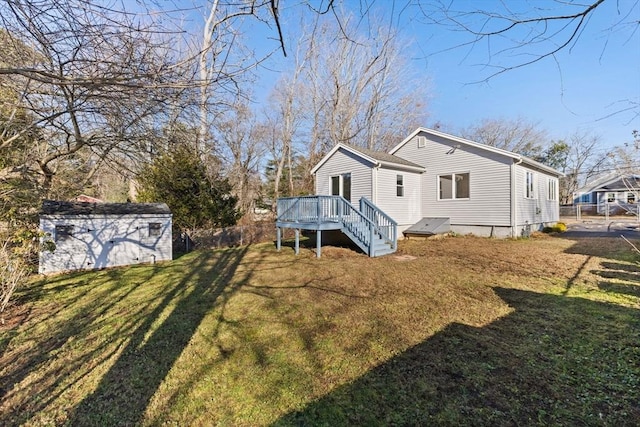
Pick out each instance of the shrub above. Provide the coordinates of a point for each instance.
(559, 227)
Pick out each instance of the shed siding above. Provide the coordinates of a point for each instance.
(405, 210)
(100, 241)
(489, 176)
(340, 163)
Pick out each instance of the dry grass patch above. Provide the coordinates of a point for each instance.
(498, 331)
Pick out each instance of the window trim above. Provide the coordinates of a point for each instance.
(341, 186)
(454, 188)
(154, 229)
(552, 190)
(634, 195)
(399, 185)
(529, 185)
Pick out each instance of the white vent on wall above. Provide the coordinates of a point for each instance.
(422, 142)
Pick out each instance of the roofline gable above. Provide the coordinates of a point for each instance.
(335, 148)
(356, 152)
(457, 139)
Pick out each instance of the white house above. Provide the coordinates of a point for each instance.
(99, 235)
(430, 174)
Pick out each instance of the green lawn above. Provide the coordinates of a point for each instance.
(471, 331)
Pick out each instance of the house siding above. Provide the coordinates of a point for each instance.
(100, 241)
(343, 162)
(539, 210)
(489, 203)
(405, 210)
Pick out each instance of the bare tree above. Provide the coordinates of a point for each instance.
(98, 82)
(512, 35)
(242, 151)
(584, 159)
(223, 63)
(517, 135)
(365, 94)
(346, 86)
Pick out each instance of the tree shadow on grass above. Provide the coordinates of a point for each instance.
(124, 392)
(612, 248)
(58, 331)
(553, 360)
(147, 340)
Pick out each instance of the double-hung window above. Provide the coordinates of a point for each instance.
(399, 185)
(553, 189)
(454, 186)
(631, 197)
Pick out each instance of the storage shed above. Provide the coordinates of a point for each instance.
(99, 235)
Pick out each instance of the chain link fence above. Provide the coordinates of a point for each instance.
(601, 212)
(237, 235)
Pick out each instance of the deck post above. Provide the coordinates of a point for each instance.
(297, 248)
(318, 243)
(278, 239)
(371, 238)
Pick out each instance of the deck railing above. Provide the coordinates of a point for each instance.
(361, 226)
(387, 227)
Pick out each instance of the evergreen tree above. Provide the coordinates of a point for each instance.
(179, 179)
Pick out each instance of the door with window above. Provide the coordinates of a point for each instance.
(341, 186)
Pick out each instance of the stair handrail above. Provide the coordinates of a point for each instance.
(386, 226)
(338, 209)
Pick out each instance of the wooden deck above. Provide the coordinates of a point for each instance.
(370, 228)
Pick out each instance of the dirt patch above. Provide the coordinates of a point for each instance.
(404, 257)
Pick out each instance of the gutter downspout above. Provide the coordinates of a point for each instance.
(514, 202)
(374, 184)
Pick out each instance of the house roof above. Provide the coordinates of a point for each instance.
(56, 207)
(524, 159)
(612, 181)
(378, 158)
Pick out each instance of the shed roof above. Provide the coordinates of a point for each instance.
(56, 207)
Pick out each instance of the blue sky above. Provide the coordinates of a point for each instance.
(584, 88)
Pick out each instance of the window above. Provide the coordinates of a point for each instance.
(454, 186)
(399, 186)
(346, 186)
(155, 229)
(552, 189)
(528, 189)
(335, 185)
(585, 198)
(63, 232)
(422, 142)
(341, 186)
(611, 197)
(631, 198)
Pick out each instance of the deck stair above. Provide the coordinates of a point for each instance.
(373, 231)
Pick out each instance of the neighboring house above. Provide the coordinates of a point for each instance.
(99, 235)
(480, 189)
(617, 192)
